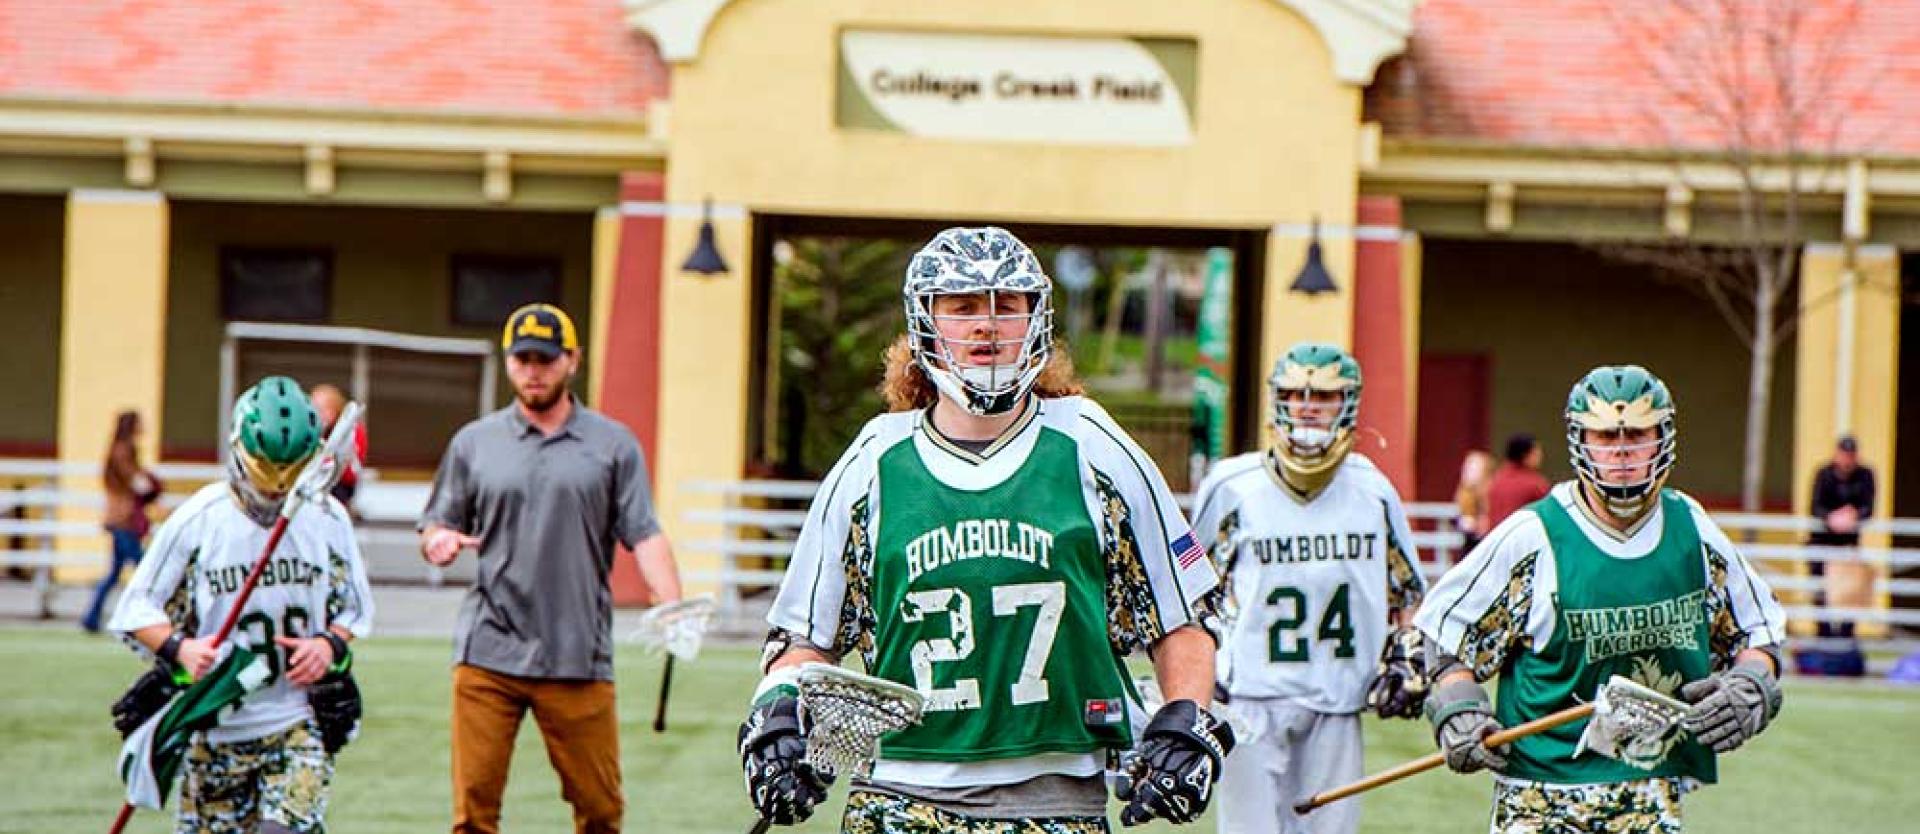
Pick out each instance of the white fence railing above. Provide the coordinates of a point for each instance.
(759, 520)
(45, 526)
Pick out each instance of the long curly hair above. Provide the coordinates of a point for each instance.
(906, 386)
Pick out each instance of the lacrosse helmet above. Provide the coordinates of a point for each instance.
(966, 261)
(1308, 448)
(275, 433)
(1614, 398)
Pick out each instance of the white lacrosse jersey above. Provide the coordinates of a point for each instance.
(1309, 585)
(1005, 586)
(192, 573)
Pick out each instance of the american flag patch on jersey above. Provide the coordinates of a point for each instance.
(1187, 550)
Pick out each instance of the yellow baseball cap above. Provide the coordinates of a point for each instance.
(541, 328)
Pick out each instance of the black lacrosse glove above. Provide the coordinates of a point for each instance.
(336, 709)
(1462, 717)
(1400, 685)
(149, 694)
(1179, 760)
(1731, 707)
(782, 787)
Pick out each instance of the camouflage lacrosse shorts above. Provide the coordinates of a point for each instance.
(245, 785)
(1645, 805)
(874, 812)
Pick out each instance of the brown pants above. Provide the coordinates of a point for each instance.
(583, 742)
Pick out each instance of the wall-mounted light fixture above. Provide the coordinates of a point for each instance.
(1314, 278)
(705, 259)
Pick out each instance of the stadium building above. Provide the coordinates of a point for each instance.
(1471, 176)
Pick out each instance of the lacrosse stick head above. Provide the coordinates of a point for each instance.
(1632, 723)
(846, 713)
(329, 463)
(675, 627)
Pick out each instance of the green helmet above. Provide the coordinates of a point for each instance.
(275, 433)
(1309, 452)
(1614, 398)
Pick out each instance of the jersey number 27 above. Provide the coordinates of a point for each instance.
(1030, 687)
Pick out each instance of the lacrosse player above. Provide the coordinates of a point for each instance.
(998, 544)
(1610, 574)
(1321, 579)
(267, 766)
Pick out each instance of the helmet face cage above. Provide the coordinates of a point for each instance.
(988, 262)
(1590, 462)
(1308, 368)
(1612, 400)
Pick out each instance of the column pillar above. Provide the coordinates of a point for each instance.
(113, 343)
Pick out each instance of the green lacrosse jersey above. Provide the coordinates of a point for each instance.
(1004, 585)
(1000, 596)
(1646, 619)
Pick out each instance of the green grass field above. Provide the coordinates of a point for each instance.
(1843, 758)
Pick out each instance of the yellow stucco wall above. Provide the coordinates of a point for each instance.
(392, 270)
(1874, 397)
(606, 255)
(753, 126)
(115, 280)
(1876, 366)
(1532, 307)
(31, 239)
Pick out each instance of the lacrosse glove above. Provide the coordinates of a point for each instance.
(149, 694)
(336, 709)
(1400, 685)
(773, 745)
(1731, 707)
(1179, 760)
(1462, 717)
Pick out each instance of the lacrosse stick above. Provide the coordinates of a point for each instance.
(674, 628)
(1626, 716)
(845, 714)
(312, 485)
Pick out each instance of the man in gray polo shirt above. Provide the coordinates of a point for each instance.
(544, 489)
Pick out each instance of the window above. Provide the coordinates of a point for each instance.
(276, 284)
(488, 288)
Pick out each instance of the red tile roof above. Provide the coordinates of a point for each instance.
(1567, 74)
(552, 57)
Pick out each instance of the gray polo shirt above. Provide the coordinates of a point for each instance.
(548, 511)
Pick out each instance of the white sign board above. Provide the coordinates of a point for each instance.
(1015, 88)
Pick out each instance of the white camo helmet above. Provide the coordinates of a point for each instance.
(967, 261)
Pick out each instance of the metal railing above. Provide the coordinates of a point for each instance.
(758, 521)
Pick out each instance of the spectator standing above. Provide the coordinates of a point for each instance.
(130, 490)
(1843, 493)
(1470, 498)
(1518, 482)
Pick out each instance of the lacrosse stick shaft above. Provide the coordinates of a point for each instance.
(1433, 760)
(666, 688)
(761, 825)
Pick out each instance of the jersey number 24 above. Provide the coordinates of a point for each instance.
(1336, 624)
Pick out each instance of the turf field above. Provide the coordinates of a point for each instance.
(1844, 758)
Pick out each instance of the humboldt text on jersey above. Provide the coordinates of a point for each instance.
(977, 538)
(1610, 632)
(227, 579)
(1320, 547)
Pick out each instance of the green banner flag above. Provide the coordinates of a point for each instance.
(1210, 379)
(151, 757)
